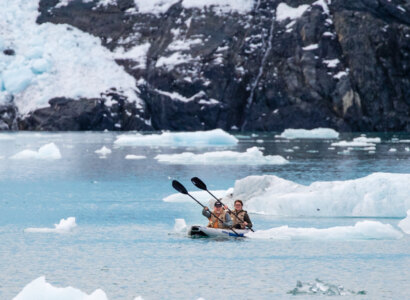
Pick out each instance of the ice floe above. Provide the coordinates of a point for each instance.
(317, 133)
(361, 141)
(252, 156)
(48, 151)
(40, 289)
(405, 223)
(135, 157)
(216, 137)
(377, 195)
(104, 151)
(363, 230)
(180, 225)
(65, 225)
(201, 196)
(320, 287)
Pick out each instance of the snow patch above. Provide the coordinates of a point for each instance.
(252, 156)
(283, 11)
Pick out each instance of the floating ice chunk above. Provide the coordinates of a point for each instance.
(377, 195)
(48, 151)
(352, 144)
(40, 289)
(317, 133)
(252, 156)
(405, 223)
(104, 151)
(364, 230)
(201, 196)
(364, 139)
(322, 288)
(131, 156)
(283, 11)
(216, 137)
(180, 225)
(392, 150)
(65, 225)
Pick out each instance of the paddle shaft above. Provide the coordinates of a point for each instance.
(230, 211)
(211, 212)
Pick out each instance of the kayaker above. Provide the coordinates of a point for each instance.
(242, 214)
(221, 214)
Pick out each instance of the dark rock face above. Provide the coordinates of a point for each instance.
(345, 65)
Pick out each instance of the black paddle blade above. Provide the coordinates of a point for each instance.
(179, 187)
(198, 183)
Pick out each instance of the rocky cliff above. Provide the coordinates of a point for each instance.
(343, 64)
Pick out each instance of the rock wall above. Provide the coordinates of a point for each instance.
(343, 64)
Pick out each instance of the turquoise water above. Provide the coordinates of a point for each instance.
(125, 243)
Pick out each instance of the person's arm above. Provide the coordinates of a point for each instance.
(228, 221)
(247, 220)
(206, 213)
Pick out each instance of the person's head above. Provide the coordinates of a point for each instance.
(218, 206)
(238, 204)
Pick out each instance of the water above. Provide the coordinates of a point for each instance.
(125, 244)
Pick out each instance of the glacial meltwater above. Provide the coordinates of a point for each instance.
(97, 212)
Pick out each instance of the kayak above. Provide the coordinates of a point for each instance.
(202, 231)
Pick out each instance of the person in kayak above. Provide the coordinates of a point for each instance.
(221, 214)
(243, 216)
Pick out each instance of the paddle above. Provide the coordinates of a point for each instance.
(201, 185)
(180, 188)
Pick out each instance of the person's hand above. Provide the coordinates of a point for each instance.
(245, 223)
(206, 208)
(226, 206)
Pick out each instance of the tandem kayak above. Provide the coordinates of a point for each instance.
(202, 231)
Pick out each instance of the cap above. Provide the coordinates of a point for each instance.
(218, 204)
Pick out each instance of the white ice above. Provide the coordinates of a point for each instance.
(216, 137)
(201, 196)
(65, 225)
(376, 195)
(136, 157)
(252, 156)
(283, 11)
(47, 152)
(104, 151)
(317, 133)
(180, 225)
(363, 230)
(39, 289)
(405, 223)
(53, 60)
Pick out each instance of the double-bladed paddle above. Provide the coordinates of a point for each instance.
(201, 185)
(180, 188)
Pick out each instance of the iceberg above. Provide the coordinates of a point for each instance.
(48, 151)
(201, 196)
(317, 133)
(135, 157)
(104, 151)
(376, 195)
(180, 225)
(405, 223)
(216, 137)
(40, 289)
(320, 287)
(252, 156)
(364, 230)
(65, 225)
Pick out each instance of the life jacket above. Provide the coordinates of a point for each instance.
(215, 223)
(241, 215)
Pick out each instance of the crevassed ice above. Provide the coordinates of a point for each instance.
(48, 151)
(216, 137)
(376, 195)
(53, 61)
(65, 225)
(363, 230)
(252, 156)
(405, 223)
(317, 133)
